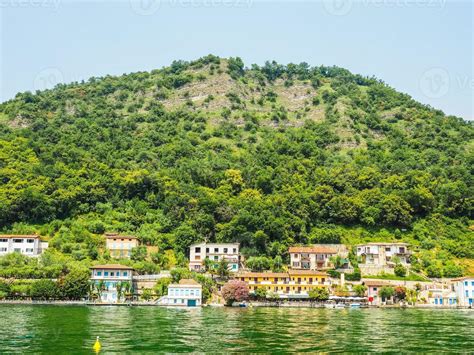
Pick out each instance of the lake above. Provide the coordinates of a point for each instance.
(72, 329)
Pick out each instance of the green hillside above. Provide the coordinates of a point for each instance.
(268, 156)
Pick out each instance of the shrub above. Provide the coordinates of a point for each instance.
(400, 270)
(235, 291)
(44, 290)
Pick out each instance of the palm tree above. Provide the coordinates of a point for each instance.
(127, 288)
(208, 264)
(119, 288)
(101, 286)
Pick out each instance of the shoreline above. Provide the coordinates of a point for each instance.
(250, 305)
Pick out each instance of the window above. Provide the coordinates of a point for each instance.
(234, 266)
(402, 250)
(106, 273)
(118, 273)
(17, 240)
(17, 250)
(387, 249)
(30, 240)
(99, 273)
(216, 257)
(198, 292)
(225, 250)
(467, 293)
(197, 257)
(472, 283)
(3, 250)
(111, 273)
(197, 250)
(465, 283)
(29, 250)
(295, 256)
(125, 273)
(216, 250)
(3, 240)
(234, 250)
(207, 250)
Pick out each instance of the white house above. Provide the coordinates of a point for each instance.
(382, 254)
(187, 293)
(464, 288)
(215, 252)
(107, 277)
(29, 245)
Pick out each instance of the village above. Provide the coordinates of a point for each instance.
(319, 275)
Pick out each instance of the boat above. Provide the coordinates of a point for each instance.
(355, 305)
(340, 305)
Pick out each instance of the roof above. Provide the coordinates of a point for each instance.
(376, 283)
(307, 272)
(112, 266)
(118, 236)
(186, 282)
(263, 274)
(463, 278)
(313, 250)
(212, 244)
(19, 236)
(382, 243)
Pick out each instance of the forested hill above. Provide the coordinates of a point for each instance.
(267, 156)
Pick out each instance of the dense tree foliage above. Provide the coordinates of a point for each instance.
(268, 156)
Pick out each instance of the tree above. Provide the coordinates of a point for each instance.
(386, 292)
(260, 293)
(434, 271)
(223, 268)
(5, 289)
(44, 290)
(360, 290)
(400, 292)
(319, 294)
(138, 253)
(235, 291)
(209, 265)
(277, 265)
(258, 263)
(147, 294)
(75, 284)
(161, 286)
(400, 270)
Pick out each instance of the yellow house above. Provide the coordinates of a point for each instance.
(120, 246)
(291, 284)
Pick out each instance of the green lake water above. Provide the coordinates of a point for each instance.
(72, 330)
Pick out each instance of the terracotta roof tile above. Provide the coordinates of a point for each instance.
(313, 250)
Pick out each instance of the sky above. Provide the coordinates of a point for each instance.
(420, 47)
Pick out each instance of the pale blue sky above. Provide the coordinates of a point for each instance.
(421, 47)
